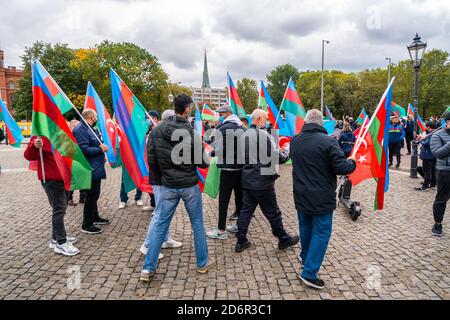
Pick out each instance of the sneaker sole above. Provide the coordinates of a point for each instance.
(53, 246)
(90, 232)
(146, 280)
(65, 253)
(171, 247)
(203, 271)
(436, 234)
(310, 284)
(102, 223)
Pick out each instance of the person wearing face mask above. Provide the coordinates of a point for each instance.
(259, 173)
(94, 151)
(440, 147)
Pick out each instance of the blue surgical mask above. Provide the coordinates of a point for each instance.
(221, 119)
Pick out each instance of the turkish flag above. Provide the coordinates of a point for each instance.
(364, 156)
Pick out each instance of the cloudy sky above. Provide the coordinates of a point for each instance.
(248, 38)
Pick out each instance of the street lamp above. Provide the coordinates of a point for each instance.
(171, 98)
(323, 63)
(389, 70)
(416, 50)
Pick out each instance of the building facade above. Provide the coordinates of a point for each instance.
(9, 80)
(214, 97)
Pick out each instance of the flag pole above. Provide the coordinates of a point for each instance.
(281, 105)
(41, 154)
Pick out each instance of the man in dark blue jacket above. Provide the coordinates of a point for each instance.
(316, 160)
(94, 151)
(428, 169)
(409, 133)
(396, 140)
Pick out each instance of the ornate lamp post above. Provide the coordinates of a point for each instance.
(416, 50)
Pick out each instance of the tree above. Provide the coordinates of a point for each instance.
(248, 92)
(278, 80)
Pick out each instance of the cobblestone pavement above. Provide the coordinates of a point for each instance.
(384, 255)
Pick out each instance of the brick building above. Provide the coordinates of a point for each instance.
(9, 80)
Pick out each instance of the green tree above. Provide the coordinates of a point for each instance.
(278, 80)
(248, 92)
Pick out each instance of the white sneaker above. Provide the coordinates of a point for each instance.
(122, 205)
(66, 249)
(144, 251)
(148, 209)
(172, 244)
(139, 203)
(53, 243)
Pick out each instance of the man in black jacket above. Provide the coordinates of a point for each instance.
(258, 183)
(409, 133)
(175, 151)
(316, 160)
(227, 142)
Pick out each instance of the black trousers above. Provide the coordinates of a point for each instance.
(394, 149)
(408, 140)
(428, 172)
(267, 201)
(442, 195)
(57, 197)
(229, 181)
(90, 212)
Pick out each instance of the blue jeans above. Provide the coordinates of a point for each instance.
(156, 215)
(315, 233)
(124, 195)
(168, 201)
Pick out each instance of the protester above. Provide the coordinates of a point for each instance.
(346, 139)
(396, 136)
(72, 125)
(124, 194)
(176, 177)
(428, 169)
(156, 184)
(227, 144)
(409, 133)
(151, 124)
(316, 160)
(94, 151)
(56, 194)
(440, 147)
(244, 122)
(258, 183)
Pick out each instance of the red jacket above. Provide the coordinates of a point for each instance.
(51, 169)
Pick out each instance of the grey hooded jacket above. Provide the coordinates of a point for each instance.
(440, 147)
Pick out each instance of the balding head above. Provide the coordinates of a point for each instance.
(259, 117)
(314, 116)
(90, 116)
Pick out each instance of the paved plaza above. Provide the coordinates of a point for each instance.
(384, 255)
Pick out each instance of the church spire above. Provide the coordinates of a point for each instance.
(205, 74)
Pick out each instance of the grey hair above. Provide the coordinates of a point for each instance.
(257, 113)
(314, 116)
(167, 114)
(87, 113)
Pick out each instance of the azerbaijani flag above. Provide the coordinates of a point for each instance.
(410, 111)
(13, 132)
(295, 112)
(202, 173)
(372, 149)
(420, 124)
(234, 100)
(105, 123)
(398, 110)
(130, 115)
(48, 121)
(262, 103)
(208, 114)
(59, 97)
(273, 113)
(362, 116)
(328, 114)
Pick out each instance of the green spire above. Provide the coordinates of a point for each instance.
(205, 74)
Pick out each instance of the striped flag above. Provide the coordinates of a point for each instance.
(234, 100)
(13, 131)
(208, 114)
(328, 114)
(363, 115)
(295, 112)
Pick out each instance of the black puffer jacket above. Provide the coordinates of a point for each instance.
(175, 173)
(316, 160)
(262, 157)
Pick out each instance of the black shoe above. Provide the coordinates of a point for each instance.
(421, 188)
(397, 165)
(313, 283)
(242, 246)
(91, 230)
(234, 216)
(437, 230)
(292, 241)
(101, 221)
(433, 185)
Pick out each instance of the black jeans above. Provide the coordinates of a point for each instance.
(408, 140)
(90, 213)
(428, 172)
(267, 201)
(57, 197)
(442, 195)
(229, 181)
(394, 149)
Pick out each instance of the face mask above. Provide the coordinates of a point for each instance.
(221, 119)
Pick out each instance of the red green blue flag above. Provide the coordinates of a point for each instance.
(295, 111)
(234, 100)
(328, 114)
(208, 114)
(398, 110)
(48, 121)
(273, 114)
(13, 131)
(104, 124)
(202, 173)
(420, 123)
(262, 102)
(131, 118)
(363, 115)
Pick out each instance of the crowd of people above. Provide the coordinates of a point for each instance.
(248, 157)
